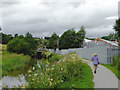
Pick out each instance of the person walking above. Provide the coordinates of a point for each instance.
(95, 62)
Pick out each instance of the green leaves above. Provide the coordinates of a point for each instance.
(21, 44)
(71, 39)
(116, 27)
(18, 45)
(53, 41)
(6, 38)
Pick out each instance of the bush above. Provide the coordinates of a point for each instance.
(18, 45)
(56, 57)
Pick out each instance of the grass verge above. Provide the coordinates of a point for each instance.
(14, 64)
(113, 69)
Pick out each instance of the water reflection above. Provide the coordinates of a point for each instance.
(11, 82)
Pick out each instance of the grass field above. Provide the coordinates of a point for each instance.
(14, 64)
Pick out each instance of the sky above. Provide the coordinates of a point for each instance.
(44, 17)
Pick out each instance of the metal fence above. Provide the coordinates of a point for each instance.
(112, 52)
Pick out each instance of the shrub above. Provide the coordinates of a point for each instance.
(18, 45)
(56, 57)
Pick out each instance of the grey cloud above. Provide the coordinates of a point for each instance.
(48, 17)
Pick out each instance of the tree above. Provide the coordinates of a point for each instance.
(80, 35)
(28, 35)
(18, 45)
(111, 36)
(71, 39)
(16, 35)
(47, 38)
(6, 38)
(53, 41)
(21, 36)
(33, 43)
(116, 27)
(67, 39)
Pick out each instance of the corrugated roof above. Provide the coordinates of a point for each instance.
(112, 43)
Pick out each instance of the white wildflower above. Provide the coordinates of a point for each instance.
(30, 71)
(61, 80)
(35, 74)
(33, 68)
(52, 68)
(51, 79)
(23, 86)
(61, 68)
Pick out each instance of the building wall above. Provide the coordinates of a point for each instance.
(88, 53)
(105, 54)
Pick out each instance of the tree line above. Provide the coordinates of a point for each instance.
(69, 39)
(111, 36)
(20, 44)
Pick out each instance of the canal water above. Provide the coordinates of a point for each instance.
(18, 81)
(11, 82)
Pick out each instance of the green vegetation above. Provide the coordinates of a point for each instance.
(71, 39)
(67, 72)
(117, 27)
(90, 38)
(14, 64)
(111, 36)
(6, 38)
(115, 66)
(25, 45)
(18, 45)
(116, 35)
(32, 42)
(42, 41)
(53, 41)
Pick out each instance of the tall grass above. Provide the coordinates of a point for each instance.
(14, 64)
(67, 72)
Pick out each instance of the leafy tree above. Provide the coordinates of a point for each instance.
(33, 43)
(116, 27)
(21, 44)
(6, 38)
(16, 35)
(21, 36)
(67, 39)
(80, 35)
(18, 45)
(53, 41)
(28, 35)
(47, 38)
(111, 36)
(71, 39)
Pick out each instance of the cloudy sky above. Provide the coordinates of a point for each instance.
(42, 18)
